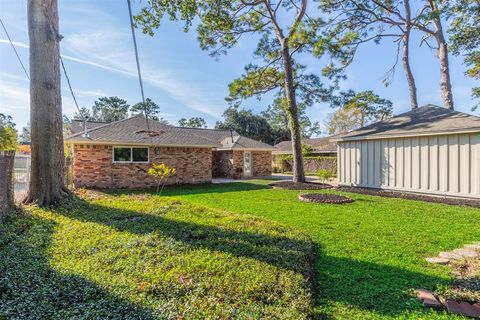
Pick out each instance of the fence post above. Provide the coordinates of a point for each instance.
(7, 159)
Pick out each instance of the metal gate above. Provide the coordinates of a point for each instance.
(21, 175)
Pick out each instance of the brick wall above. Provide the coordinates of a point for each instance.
(93, 167)
(262, 163)
(222, 164)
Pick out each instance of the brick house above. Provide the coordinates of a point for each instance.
(119, 154)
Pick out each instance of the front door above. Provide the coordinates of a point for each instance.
(247, 164)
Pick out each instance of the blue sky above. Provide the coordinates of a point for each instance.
(184, 80)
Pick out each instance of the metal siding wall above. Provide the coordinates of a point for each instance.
(408, 163)
(424, 163)
(439, 164)
(475, 161)
(415, 163)
(443, 163)
(453, 164)
(433, 163)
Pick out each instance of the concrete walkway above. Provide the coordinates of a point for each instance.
(278, 176)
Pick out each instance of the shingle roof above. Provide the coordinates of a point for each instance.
(427, 120)
(77, 125)
(240, 142)
(134, 131)
(319, 145)
(214, 135)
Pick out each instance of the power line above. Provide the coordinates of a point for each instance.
(14, 49)
(58, 36)
(132, 27)
(136, 51)
(70, 87)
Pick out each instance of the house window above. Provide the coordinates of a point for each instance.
(130, 154)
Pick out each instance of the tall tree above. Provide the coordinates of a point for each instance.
(370, 106)
(430, 23)
(149, 108)
(344, 120)
(8, 133)
(356, 22)
(84, 113)
(465, 39)
(194, 122)
(110, 109)
(47, 184)
(246, 123)
(25, 134)
(278, 120)
(284, 32)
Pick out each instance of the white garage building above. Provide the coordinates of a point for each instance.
(430, 150)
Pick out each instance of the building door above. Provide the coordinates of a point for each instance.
(247, 164)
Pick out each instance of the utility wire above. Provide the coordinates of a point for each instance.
(58, 36)
(70, 87)
(14, 49)
(136, 51)
(149, 133)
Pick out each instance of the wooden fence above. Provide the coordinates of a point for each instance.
(7, 159)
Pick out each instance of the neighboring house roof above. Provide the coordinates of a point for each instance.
(77, 126)
(427, 120)
(133, 131)
(319, 145)
(241, 143)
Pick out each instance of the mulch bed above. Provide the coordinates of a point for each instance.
(324, 198)
(412, 196)
(290, 185)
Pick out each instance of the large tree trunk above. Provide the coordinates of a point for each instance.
(445, 83)
(442, 53)
(292, 114)
(48, 163)
(406, 57)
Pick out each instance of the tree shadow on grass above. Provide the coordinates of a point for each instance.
(376, 288)
(179, 190)
(31, 289)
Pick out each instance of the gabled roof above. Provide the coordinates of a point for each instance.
(427, 120)
(319, 145)
(243, 143)
(133, 131)
(78, 125)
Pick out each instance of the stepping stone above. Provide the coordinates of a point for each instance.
(437, 260)
(467, 253)
(428, 299)
(450, 255)
(463, 308)
(472, 247)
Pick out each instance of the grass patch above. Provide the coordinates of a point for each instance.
(145, 257)
(370, 253)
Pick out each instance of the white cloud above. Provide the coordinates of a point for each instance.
(15, 100)
(113, 56)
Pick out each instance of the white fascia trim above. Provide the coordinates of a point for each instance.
(133, 144)
(403, 135)
(244, 149)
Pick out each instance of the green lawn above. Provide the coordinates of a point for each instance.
(369, 254)
(234, 251)
(145, 257)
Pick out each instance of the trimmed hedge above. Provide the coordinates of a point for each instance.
(310, 163)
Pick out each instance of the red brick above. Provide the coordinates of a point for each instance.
(463, 308)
